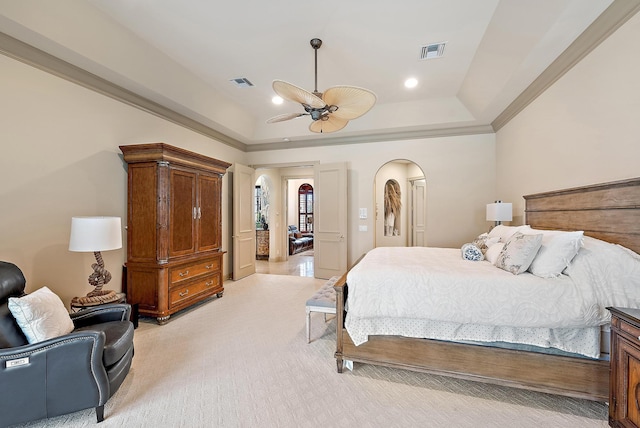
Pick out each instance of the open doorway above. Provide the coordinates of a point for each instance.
(300, 225)
(292, 243)
(400, 195)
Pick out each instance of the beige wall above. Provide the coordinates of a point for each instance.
(60, 158)
(584, 129)
(460, 175)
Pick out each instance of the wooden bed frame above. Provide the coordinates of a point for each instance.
(610, 212)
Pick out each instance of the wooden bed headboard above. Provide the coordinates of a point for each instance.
(608, 211)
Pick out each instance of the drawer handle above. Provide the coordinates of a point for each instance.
(184, 293)
(183, 274)
(211, 265)
(208, 283)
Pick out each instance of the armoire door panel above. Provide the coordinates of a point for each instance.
(142, 217)
(208, 212)
(183, 213)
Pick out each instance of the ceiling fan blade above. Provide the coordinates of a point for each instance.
(332, 124)
(352, 101)
(293, 93)
(286, 116)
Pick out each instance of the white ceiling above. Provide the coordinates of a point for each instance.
(182, 54)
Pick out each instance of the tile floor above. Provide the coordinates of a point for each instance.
(300, 264)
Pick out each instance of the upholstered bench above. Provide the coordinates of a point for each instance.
(323, 300)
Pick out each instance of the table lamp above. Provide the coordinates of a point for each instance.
(95, 234)
(499, 212)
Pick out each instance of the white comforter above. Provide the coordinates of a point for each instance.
(437, 284)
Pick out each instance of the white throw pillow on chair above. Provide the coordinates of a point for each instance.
(41, 315)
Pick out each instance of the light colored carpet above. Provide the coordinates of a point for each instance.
(243, 361)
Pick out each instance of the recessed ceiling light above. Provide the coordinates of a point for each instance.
(286, 140)
(277, 100)
(411, 83)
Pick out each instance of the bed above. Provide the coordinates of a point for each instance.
(607, 212)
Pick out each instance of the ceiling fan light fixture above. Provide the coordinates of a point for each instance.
(277, 100)
(330, 110)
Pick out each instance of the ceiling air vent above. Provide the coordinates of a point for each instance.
(434, 50)
(242, 82)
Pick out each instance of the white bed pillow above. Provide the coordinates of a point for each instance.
(556, 252)
(505, 232)
(493, 252)
(518, 252)
(41, 315)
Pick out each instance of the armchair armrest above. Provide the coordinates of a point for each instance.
(55, 376)
(101, 314)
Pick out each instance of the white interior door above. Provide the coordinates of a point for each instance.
(330, 220)
(244, 232)
(418, 213)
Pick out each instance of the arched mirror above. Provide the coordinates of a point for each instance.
(400, 202)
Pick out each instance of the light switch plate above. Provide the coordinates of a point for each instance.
(363, 213)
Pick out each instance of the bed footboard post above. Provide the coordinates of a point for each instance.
(340, 287)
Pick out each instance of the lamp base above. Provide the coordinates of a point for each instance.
(96, 298)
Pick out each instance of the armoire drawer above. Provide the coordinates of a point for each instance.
(631, 331)
(180, 294)
(192, 270)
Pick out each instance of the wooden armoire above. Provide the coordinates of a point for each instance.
(174, 228)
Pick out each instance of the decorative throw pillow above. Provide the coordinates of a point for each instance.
(484, 241)
(472, 252)
(518, 252)
(557, 250)
(493, 252)
(298, 235)
(41, 315)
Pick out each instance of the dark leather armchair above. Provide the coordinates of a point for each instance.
(79, 370)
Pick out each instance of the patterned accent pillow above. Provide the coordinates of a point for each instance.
(518, 252)
(472, 252)
(484, 241)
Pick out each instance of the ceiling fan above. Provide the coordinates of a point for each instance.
(331, 110)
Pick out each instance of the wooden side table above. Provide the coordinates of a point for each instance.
(122, 298)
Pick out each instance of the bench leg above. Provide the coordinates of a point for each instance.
(308, 325)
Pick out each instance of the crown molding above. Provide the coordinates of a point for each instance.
(44, 61)
(619, 12)
(373, 138)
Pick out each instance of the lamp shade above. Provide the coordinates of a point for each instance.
(95, 234)
(499, 211)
